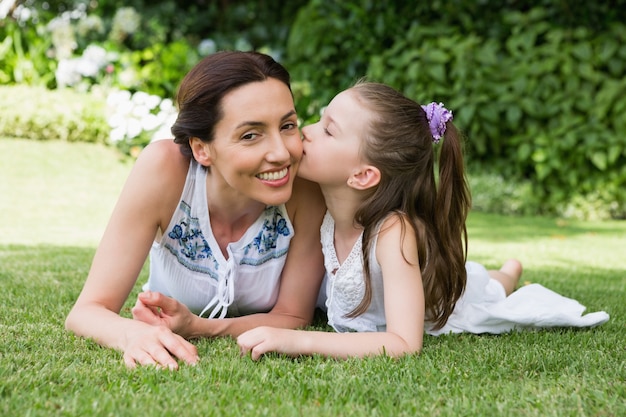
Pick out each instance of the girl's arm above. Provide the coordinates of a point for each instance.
(147, 199)
(299, 285)
(404, 310)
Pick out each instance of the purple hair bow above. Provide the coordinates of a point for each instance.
(437, 116)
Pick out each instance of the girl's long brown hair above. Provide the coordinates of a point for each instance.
(400, 145)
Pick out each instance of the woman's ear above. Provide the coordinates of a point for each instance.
(201, 151)
(367, 177)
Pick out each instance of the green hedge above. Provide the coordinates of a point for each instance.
(41, 114)
(539, 91)
(547, 104)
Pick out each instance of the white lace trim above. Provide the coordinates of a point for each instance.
(345, 281)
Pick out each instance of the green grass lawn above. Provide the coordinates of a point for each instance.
(55, 202)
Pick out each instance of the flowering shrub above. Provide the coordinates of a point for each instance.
(41, 114)
(136, 119)
(86, 55)
(83, 70)
(127, 121)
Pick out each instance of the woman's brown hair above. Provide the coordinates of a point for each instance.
(201, 92)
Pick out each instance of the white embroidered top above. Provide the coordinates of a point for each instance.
(345, 285)
(188, 265)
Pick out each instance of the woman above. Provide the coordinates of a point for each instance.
(216, 209)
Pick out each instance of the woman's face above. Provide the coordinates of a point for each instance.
(332, 145)
(257, 145)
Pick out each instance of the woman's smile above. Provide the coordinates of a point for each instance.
(275, 178)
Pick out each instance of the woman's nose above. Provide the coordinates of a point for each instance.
(278, 151)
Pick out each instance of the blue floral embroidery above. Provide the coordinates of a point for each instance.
(263, 246)
(191, 245)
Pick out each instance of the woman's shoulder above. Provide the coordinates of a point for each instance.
(163, 152)
(160, 172)
(164, 160)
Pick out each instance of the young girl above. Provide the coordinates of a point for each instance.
(394, 235)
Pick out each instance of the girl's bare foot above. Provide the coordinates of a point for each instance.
(508, 275)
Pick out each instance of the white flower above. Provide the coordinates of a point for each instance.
(63, 38)
(86, 68)
(133, 129)
(150, 122)
(5, 7)
(139, 97)
(117, 134)
(96, 54)
(70, 71)
(91, 23)
(66, 73)
(140, 113)
(117, 120)
(165, 130)
(128, 19)
(207, 47)
(144, 99)
(125, 22)
(118, 97)
(167, 105)
(23, 14)
(127, 77)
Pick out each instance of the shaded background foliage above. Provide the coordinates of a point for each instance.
(537, 86)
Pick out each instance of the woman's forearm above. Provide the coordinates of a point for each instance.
(104, 326)
(141, 343)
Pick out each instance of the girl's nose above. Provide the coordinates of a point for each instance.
(305, 129)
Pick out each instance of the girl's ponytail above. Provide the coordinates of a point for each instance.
(452, 206)
(444, 274)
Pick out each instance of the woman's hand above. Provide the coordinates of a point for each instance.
(157, 345)
(157, 309)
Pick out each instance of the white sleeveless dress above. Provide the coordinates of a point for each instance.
(188, 265)
(483, 307)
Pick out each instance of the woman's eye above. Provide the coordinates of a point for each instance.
(249, 136)
(289, 126)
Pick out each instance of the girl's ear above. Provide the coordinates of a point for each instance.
(367, 177)
(201, 151)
